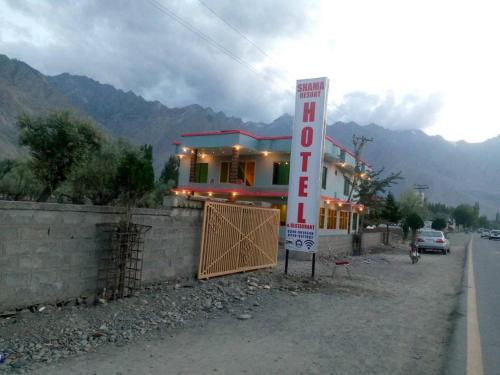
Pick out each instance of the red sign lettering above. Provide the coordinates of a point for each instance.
(306, 136)
(305, 158)
(309, 111)
(300, 213)
(303, 186)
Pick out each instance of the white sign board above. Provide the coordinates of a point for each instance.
(304, 189)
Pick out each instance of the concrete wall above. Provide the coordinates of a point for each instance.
(337, 246)
(51, 252)
(370, 240)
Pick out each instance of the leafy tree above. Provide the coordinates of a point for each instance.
(370, 189)
(410, 202)
(5, 166)
(94, 178)
(135, 174)
(439, 209)
(439, 223)
(170, 173)
(390, 213)
(19, 182)
(56, 143)
(464, 215)
(414, 222)
(483, 222)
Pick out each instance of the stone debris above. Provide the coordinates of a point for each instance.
(47, 333)
(244, 316)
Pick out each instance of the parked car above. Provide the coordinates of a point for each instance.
(494, 235)
(485, 233)
(433, 240)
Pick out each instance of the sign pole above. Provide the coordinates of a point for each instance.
(306, 160)
(313, 265)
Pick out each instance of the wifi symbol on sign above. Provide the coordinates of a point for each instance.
(309, 243)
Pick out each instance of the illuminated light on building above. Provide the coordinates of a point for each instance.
(237, 147)
(234, 194)
(185, 149)
(210, 194)
(266, 153)
(327, 202)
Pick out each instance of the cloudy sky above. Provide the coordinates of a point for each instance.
(431, 65)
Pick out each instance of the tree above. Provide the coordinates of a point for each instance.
(56, 143)
(464, 215)
(439, 223)
(410, 202)
(135, 174)
(414, 222)
(19, 182)
(5, 166)
(94, 178)
(483, 222)
(170, 173)
(390, 213)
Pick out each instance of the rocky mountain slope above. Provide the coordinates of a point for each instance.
(455, 172)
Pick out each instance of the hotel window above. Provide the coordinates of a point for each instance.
(282, 208)
(347, 186)
(281, 173)
(355, 221)
(331, 222)
(246, 172)
(323, 177)
(321, 217)
(224, 171)
(201, 173)
(344, 220)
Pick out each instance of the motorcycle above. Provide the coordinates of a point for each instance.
(414, 254)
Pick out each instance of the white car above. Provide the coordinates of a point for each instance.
(494, 235)
(485, 233)
(433, 240)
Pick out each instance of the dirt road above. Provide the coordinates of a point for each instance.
(391, 317)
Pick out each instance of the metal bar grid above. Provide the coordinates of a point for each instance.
(122, 260)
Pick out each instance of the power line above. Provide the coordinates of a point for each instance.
(240, 33)
(165, 10)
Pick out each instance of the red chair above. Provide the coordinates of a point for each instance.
(345, 263)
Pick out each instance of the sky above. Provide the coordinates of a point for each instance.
(428, 65)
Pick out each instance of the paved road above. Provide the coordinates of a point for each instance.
(486, 259)
(475, 348)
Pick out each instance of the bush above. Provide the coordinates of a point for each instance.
(439, 223)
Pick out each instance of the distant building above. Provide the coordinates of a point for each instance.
(238, 165)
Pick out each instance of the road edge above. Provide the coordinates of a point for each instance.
(456, 352)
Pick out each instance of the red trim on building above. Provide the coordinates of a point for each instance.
(244, 193)
(236, 131)
(177, 143)
(263, 138)
(230, 191)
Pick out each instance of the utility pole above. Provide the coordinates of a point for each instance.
(421, 188)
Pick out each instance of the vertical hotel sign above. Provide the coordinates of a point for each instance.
(304, 191)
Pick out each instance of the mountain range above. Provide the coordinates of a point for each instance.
(456, 172)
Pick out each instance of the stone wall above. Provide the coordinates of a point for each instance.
(338, 246)
(370, 240)
(51, 252)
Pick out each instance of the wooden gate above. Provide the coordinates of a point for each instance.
(237, 238)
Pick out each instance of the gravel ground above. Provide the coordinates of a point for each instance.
(391, 317)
